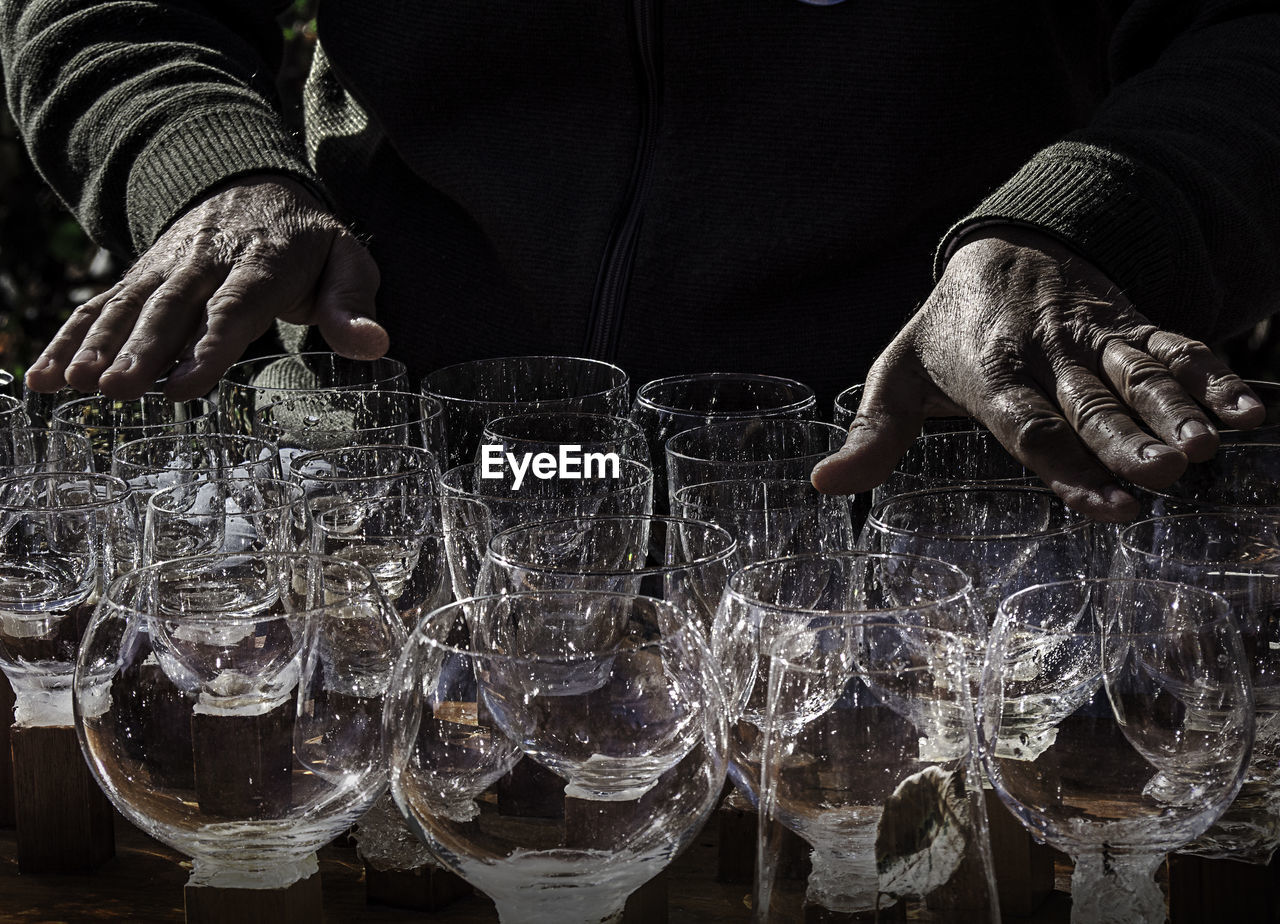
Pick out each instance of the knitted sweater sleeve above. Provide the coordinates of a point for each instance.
(132, 109)
(1173, 188)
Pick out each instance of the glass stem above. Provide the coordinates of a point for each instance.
(1111, 887)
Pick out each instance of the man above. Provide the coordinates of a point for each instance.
(695, 185)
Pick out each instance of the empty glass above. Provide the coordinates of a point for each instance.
(307, 421)
(771, 518)
(1116, 725)
(156, 462)
(334, 477)
(773, 448)
(28, 450)
(474, 507)
(871, 756)
(684, 561)
(255, 383)
(65, 536)
(1240, 475)
(603, 708)
(230, 707)
(1269, 430)
(227, 515)
(665, 407)
(1237, 555)
(477, 392)
(108, 422)
(12, 412)
(846, 409)
(547, 431)
(946, 459)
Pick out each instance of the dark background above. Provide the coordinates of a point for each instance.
(48, 266)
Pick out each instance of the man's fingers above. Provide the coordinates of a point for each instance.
(48, 372)
(1104, 424)
(1031, 428)
(344, 309)
(112, 327)
(1207, 379)
(164, 327)
(890, 415)
(1146, 385)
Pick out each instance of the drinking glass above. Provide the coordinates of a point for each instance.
(400, 539)
(28, 450)
(547, 431)
(475, 507)
(686, 562)
(665, 407)
(252, 384)
(770, 518)
(108, 422)
(156, 462)
(477, 392)
(1238, 556)
(1240, 475)
(335, 477)
(230, 707)
(1116, 725)
(227, 515)
(947, 459)
(65, 536)
(8, 384)
(870, 755)
(307, 421)
(12, 413)
(607, 709)
(846, 409)
(1269, 430)
(772, 448)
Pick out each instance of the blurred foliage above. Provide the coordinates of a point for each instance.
(48, 266)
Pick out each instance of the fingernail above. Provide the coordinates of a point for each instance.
(123, 363)
(1115, 496)
(40, 365)
(1246, 403)
(1158, 451)
(85, 357)
(1191, 430)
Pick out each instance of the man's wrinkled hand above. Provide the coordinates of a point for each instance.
(254, 250)
(1037, 344)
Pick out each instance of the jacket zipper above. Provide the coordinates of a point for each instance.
(619, 255)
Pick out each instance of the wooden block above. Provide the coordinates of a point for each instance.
(244, 764)
(65, 823)
(737, 824)
(299, 903)
(1208, 891)
(425, 888)
(530, 790)
(1023, 868)
(150, 703)
(6, 762)
(815, 914)
(649, 903)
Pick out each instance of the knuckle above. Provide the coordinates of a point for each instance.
(1039, 432)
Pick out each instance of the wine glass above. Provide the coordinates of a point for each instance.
(846, 409)
(1238, 556)
(335, 477)
(1116, 725)
(950, 458)
(548, 431)
(870, 755)
(252, 384)
(608, 710)
(29, 450)
(155, 462)
(665, 407)
(1240, 475)
(683, 561)
(307, 421)
(230, 706)
(65, 536)
(108, 422)
(477, 392)
(227, 515)
(8, 384)
(12, 412)
(764, 448)
(474, 507)
(770, 518)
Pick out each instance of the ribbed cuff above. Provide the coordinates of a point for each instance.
(193, 154)
(1128, 220)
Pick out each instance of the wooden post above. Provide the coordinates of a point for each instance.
(423, 888)
(299, 903)
(6, 761)
(1023, 868)
(1208, 891)
(64, 821)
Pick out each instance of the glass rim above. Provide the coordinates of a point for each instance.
(402, 370)
(412, 451)
(955, 642)
(1076, 523)
(291, 487)
(1218, 601)
(799, 404)
(1267, 386)
(1218, 506)
(615, 370)
(117, 455)
(801, 484)
(622, 423)
(963, 592)
(120, 491)
(682, 622)
(1232, 514)
(701, 561)
(676, 441)
(208, 408)
(13, 404)
(262, 414)
(448, 489)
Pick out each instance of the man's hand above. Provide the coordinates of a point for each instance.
(1039, 346)
(254, 250)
